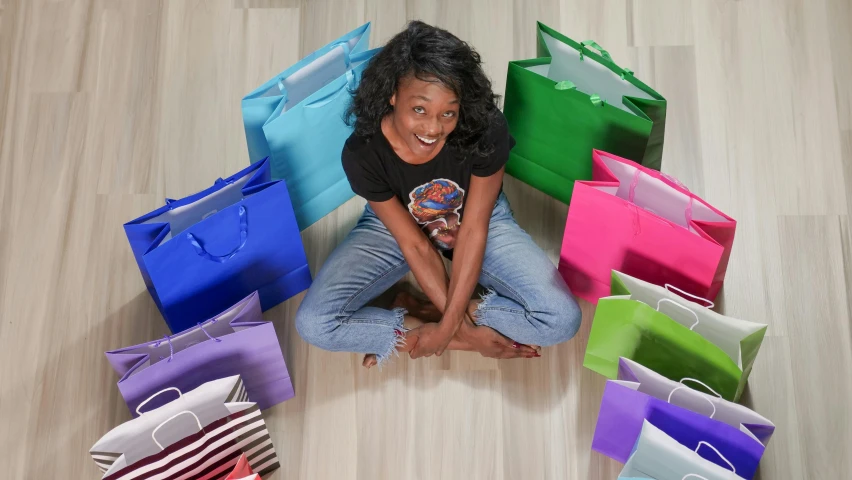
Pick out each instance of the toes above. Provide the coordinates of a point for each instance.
(369, 360)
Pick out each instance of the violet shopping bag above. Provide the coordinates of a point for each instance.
(649, 382)
(201, 254)
(674, 337)
(624, 409)
(660, 457)
(235, 342)
(200, 435)
(638, 221)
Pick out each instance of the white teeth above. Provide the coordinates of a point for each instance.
(425, 140)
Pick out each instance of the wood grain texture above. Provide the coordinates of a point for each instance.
(106, 107)
(659, 22)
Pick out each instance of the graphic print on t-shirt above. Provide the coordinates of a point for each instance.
(435, 205)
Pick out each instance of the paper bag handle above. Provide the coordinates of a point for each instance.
(351, 83)
(700, 383)
(717, 453)
(154, 432)
(154, 395)
(687, 388)
(347, 53)
(202, 252)
(664, 300)
(671, 288)
(591, 44)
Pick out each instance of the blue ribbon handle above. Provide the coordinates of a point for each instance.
(202, 252)
(346, 52)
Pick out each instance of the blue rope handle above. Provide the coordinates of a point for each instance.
(199, 249)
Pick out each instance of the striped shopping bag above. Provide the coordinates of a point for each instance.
(201, 435)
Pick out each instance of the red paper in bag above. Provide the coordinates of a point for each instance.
(242, 471)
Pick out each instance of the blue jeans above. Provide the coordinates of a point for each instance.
(527, 299)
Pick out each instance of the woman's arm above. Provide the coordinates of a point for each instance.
(467, 262)
(422, 257)
(470, 246)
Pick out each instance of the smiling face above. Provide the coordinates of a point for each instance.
(424, 114)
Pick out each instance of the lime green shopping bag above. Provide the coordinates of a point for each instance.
(681, 340)
(571, 100)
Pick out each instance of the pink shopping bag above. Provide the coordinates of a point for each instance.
(643, 223)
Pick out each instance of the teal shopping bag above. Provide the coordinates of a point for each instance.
(296, 119)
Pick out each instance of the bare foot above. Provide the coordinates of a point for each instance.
(370, 360)
(410, 323)
(420, 312)
(425, 311)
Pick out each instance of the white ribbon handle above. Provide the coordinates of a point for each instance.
(663, 300)
(671, 287)
(717, 453)
(687, 388)
(700, 383)
(154, 395)
(693, 475)
(179, 414)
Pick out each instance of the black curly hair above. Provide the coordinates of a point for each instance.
(429, 53)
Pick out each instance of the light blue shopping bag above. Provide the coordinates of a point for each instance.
(296, 119)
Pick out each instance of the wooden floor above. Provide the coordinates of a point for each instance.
(108, 106)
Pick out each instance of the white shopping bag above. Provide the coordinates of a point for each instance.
(201, 434)
(660, 457)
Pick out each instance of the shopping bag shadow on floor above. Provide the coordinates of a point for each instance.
(134, 322)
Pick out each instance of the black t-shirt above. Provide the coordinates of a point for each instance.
(433, 192)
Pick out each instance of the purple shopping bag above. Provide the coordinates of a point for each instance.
(623, 410)
(235, 342)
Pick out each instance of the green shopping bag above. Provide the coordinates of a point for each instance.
(679, 339)
(572, 100)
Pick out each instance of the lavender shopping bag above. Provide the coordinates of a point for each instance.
(624, 409)
(649, 382)
(235, 342)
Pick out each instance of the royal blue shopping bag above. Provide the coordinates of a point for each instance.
(201, 254)
(297, 120)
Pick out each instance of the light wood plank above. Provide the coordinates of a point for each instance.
(525, 16)
(839, 15)
(819, 340)
(388, 17)
(267, 4)
(457, 432)
(604, 21)
(656, 23)
(671, 72)
(56, 41)
(194, 70)
(125, 42)
(771, 392)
